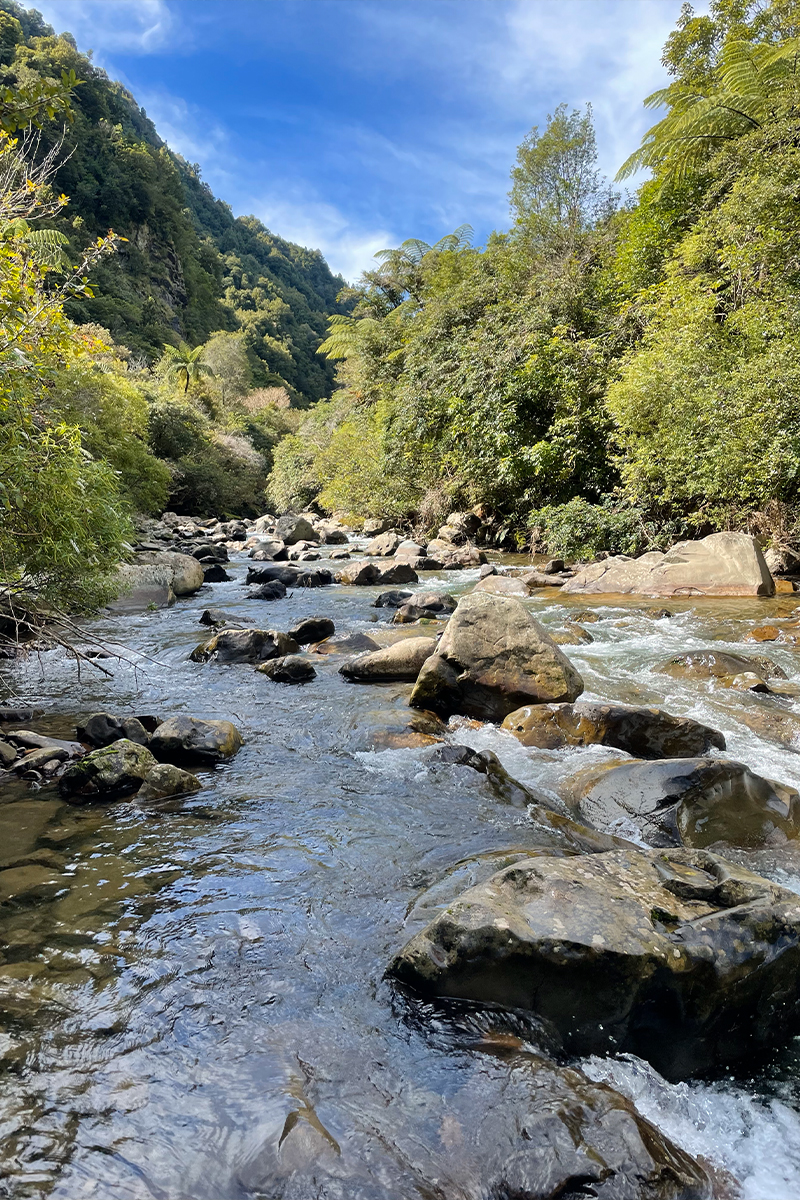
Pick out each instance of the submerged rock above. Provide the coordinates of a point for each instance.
(107, 774)
(680, 957)
(216, 573)
(493, 658)
(643, 732)
(290, 669)
(572, 635)
(142, 587)
(164, 780)
(244, 645)
(486, 762)
(402, 661)
(191, 739)
(694, 801)
(719, 664)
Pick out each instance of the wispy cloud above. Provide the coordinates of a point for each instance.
(119, 26)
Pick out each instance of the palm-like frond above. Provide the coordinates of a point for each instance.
(748, 83)
(342, 339)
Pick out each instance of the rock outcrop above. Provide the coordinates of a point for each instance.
(722, 564)
(679, 957)
(493, 658)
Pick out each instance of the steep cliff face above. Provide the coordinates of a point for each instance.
(188, 267)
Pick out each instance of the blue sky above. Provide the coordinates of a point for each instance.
(349, 125)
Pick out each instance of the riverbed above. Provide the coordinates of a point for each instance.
(194, 1005)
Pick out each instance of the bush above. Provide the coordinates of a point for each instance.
(580, 530)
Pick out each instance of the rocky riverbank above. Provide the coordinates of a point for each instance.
(553, 855)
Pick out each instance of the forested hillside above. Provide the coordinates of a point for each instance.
(612, 372)
(188, 267)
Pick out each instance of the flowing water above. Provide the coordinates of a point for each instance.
(192, 1001)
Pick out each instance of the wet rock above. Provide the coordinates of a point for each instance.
(461, 556)
(192, 740)
(658, 614)
(409, 614)
(312, 579)
(312, 629)
(269, 550)
(501, 585)
(10, 713)
(30, 883)
(37, 760)
(215, 616)
(107, 774)
(783, 728)
(8, 754)
(572, 635)
(269, 591)
(676, 956)
(339, 555)
(290, 669)
(285, 575)
(554, 567)
(384, 545)
(400, 572)
(142, 587)
(358, 574)
(772, 633)
(187, 574)
(587, 616)
(244, 645)
(486, 570)
(348, 643)
(210, 552)
(693, 801)
(718, 664)
(643, 732)
(392, 599)
(486, 762)
(216, 573)
(421, 729)
(164, 779)
(493, 658)
(402, 661)
(101, 729)
(722, 564)
(291, 529)
(422, 563)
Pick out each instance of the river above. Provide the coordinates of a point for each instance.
(196, 982)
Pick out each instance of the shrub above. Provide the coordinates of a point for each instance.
(580, 530)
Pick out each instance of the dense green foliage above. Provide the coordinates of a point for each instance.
(611, 375)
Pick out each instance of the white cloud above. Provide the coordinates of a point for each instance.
(128, 26)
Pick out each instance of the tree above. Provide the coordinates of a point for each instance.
(557, 192)
(185, 365)
(63, 524)
(225, 356)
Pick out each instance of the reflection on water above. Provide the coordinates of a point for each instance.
(192, 1002)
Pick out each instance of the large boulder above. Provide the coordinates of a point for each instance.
(676, 956)
(722, 564)
(187, 572)
(101, 729)
(493, 658)
(643, 732)
(107, 774)
(694, 801)
(365, 574)
(331, 535)
(192, 740)
(384, 545)
(402, 661)
(141, 587)
(291, 529)
(244, 645)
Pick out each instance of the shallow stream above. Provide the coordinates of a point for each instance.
(192, 1003)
